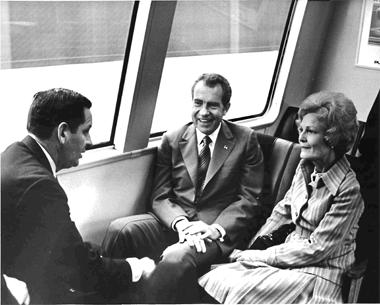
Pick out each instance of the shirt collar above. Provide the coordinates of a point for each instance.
(334, 177)
(50, 159)
(213, 136)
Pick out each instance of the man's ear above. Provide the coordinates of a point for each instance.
(226, 108)
(63, 132)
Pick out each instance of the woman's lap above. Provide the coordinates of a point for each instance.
(247, 283)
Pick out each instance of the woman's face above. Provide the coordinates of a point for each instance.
(313, 147)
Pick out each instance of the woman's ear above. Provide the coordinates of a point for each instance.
(63, 132)
(326, 140)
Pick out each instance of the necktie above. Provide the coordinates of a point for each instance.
(203, 162)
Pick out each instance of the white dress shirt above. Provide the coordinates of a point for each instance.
(213, 138)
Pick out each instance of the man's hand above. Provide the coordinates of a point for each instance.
(180, 227)
(18, 289)
(193, 240)
(196, 234)
(148, 266)
(203, 230)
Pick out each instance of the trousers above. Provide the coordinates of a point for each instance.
(174, 279)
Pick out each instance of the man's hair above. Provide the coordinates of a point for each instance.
(337, 114)
(52, 107)
(211, 80)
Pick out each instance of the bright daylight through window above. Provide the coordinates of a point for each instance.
(79, 45)
(238, 39)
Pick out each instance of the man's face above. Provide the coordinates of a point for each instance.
(77, 142)
(208, 110)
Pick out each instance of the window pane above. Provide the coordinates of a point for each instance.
(78, 45)
(237, 39)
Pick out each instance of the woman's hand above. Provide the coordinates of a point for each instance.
(248, 255)
(232, 257)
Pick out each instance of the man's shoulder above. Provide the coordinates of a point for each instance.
(238, 132)
(18, 162)
(11, 150)
(179, 132)
(238, 128)
(12, 157)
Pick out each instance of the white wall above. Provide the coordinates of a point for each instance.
(112, 189)
(325, 57)
(338, 70)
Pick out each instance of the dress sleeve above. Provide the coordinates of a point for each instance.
(336, 226)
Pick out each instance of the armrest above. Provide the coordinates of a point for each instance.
(357, 271)
(354, 278)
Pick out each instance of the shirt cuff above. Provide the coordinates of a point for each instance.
(176, 220)
(136, 268)
(221, 231)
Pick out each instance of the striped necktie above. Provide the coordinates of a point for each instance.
(203, 162)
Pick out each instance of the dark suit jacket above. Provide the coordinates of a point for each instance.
(233, 182)
(40, 245)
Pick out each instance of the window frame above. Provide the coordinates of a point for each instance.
(154, 51)
(140, 83)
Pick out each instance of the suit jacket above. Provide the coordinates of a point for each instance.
(40, 245)
(232, 186)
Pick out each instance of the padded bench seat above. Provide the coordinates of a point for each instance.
(281, 158)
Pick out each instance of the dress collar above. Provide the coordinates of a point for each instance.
(333, 178)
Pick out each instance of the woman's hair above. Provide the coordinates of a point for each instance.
(337, 114)
(213, 79)
(52, 107)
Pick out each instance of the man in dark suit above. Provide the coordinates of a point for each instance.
(200, 211)
(40, 245)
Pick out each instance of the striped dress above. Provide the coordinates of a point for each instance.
(308, 267)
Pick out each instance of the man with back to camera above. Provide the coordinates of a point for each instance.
(208, 180)
(41, 246)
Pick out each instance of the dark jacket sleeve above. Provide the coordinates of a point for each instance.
(246, 205)
(52, 255)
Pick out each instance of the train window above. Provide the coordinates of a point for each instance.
(79, 45)
(238, 39)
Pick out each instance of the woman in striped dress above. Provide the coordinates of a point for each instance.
(323, 202)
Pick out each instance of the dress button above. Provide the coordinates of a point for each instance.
(296, 214)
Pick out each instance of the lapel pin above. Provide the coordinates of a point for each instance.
(225, 147)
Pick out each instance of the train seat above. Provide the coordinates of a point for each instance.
(287, 129)
(281, 158)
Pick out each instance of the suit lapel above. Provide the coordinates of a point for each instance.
(223, 147)
(37, 151)
(188, 147)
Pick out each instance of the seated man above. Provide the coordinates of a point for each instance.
(40, 245)
(208, 179)
(367, 172)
